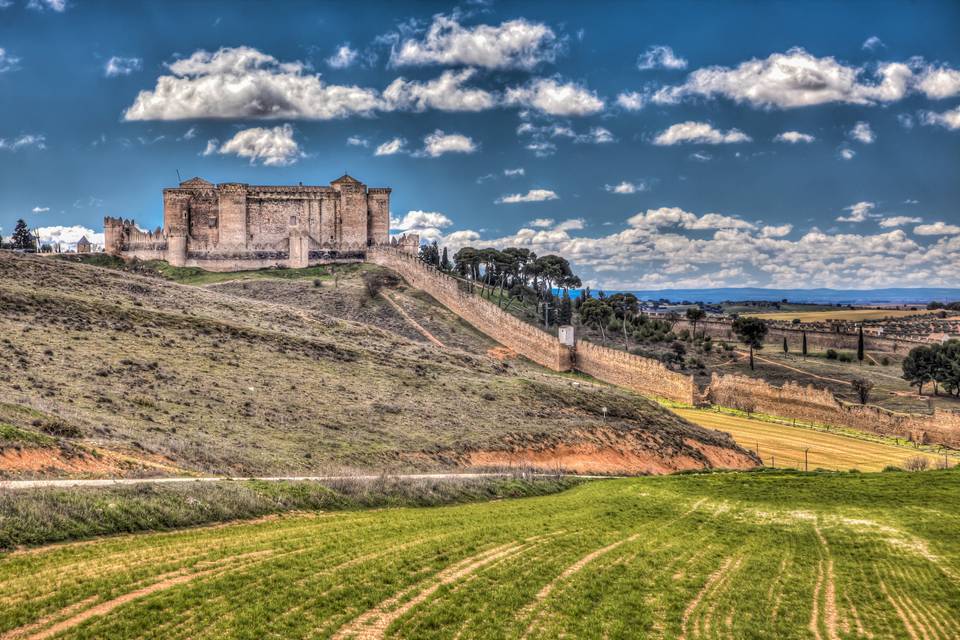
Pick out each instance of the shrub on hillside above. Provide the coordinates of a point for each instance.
(831, 354)
(916, 463)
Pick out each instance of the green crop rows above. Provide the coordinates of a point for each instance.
(749, 555)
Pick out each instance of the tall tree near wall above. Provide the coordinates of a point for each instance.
(751, 332)
(786, 349)
(860, 352)
(695, 315)
(803, 348)
(22, 238)
(566, 309)
(445, 261)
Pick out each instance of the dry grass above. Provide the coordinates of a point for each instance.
(784, 445)
(850, 315)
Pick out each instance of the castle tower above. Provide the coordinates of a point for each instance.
(378, 215)
(353, 211)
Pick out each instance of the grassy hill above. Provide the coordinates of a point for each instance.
(260, 376)
(757, 555)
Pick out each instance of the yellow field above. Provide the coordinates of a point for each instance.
(786, 444)
(839, 314)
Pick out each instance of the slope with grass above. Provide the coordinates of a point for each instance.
(762, 555)
(781, 445)
(208, 380)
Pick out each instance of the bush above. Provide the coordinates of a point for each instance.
(916, 463)
(831, 354)
(60, 429)
(845, 357)
(891, 469)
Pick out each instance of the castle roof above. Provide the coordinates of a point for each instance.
(83, 240)
(346, 179)
(196, 182)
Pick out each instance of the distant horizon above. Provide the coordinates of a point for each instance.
(819, 295)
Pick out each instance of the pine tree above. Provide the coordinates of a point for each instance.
(786, 349)
(860, 353)
(804, 347)
(445, 261)
(566, 309)
(21, 236)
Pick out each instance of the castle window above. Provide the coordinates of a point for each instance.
(212, 221)
(293, 221)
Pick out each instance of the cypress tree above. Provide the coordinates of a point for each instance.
(21, 236)
(804, 347)
(860, 353)
(786, 350)
(566, 309)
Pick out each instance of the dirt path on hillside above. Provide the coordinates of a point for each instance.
(413, 323)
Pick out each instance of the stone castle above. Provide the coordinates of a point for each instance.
(235, 226)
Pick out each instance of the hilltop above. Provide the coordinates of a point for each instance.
(112, 372)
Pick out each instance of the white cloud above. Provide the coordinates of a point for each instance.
(438, 143)
(212, 145)
(420, 220)
(343, 57)
(391, 147)
(534, 195)
(67, 234)
(541, 223)
(40, 209)
(574, 224)
(119, 66)
(549, 96)
(357, 141)
(541, 148)
(862, 132)
(701, 156)
(7, 62)
(515, 44)
(778, 231)
(793, 137)
(699, 133)
(858, 212)
(510, 173)
(599, 135)
(189, 134)
(899, 221)
(445, 93)
(24, 141)
(660, 57)
(625, 187)
(949, 119)
(937, 229)
(674, 216)
(273, 147)
(872, 43)
(905, 120)
(242, 82)
(940, 82)
(796, 79)
(847, 154)
(632, 100)
(54, 5)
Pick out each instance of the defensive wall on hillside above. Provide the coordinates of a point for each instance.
(810, 404)
(816, 340)
(652, 378)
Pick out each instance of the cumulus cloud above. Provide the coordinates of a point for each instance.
(555, 98)
(858, 212)
(420, 220)
(439, 143)
(119, 66)
(660, 57)
(541, 223)
(625, 187)
(357, 141)
(512, 173)
(847, 154)
(699, 133)
(343, 57)
(67, 235)
(515, 44)
(872, 43)
(937, 229)
(799, 79)
(862, 132)
(676, 217)
(242, 82)
(274, 147)
(445, 93)
(391, 147)
(8, 62)
(25, 141)
(40, 209)
(776, 231)
(949, 119)
(533, 195)
(794, 137)
(53, 5)
(632, 100)
(899, 221)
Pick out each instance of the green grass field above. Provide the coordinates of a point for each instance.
(748, 555)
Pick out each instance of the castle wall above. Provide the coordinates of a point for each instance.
(527, 340)
(809, 404)
(643, 375)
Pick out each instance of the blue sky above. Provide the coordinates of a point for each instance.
(655, 144)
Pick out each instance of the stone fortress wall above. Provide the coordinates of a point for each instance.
(650, 377)
(234, 226)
